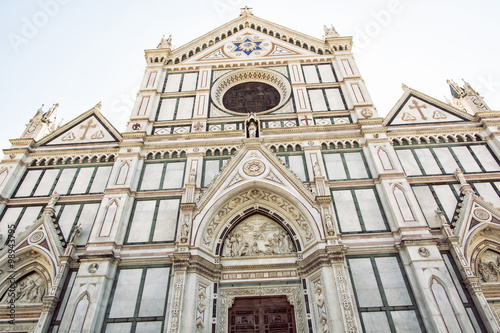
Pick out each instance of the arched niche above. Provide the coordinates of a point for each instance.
(233, 207)
(483, 254)
(255, 235)
(30, 289)
(480, 237)
(29, 260)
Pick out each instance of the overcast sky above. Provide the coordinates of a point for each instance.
(77, 53)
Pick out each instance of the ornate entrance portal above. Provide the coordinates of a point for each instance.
(261, 315)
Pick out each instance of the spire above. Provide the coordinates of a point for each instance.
(41, 124)
(49, 117)
(456, 90)
(98, 106)
(467, 98)
(330, 32)
(165, 43)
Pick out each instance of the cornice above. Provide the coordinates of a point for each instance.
(472, 129)
(313, 262)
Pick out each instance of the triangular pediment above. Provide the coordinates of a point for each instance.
(475, 213)
(417, 108)
(89, 128)
(43, 233)
(281, 41)
(256, 180)
(249, 44)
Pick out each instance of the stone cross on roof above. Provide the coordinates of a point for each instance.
(246, 11)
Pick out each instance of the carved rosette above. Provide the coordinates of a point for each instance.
(37, 237)
(482, 214)
(254, 168)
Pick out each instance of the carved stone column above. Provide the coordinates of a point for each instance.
(181, 263)
(350, 316)
(472, 283)
(51, 300)
(474, 288)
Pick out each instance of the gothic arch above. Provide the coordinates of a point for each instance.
(123, 171)
(80, 311)
(25, 271)
(211, 227)
(479, 250)
(248, 213)
(483, 237)
(403, 203)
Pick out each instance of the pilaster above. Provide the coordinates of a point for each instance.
(343, 286)
(439, 303)
(89, 298)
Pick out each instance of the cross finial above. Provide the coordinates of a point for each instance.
(246, 11)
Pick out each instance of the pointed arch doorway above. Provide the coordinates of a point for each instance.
(272, 314)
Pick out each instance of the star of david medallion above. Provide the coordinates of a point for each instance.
(247, 46)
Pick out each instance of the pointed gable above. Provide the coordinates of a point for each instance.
(417, 108)
(90, 127)
(264, 38)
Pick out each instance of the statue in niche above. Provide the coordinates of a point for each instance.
(185, 230)
(30, 289)
(489, 267)
(257, 236)
(317, 170)
(252, 126)
(192, 177)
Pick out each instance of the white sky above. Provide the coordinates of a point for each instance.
(77, 53)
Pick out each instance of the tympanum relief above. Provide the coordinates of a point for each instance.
(30, 289)
(258, 235)
(489, 267)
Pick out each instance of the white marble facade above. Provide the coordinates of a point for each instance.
(363, 223)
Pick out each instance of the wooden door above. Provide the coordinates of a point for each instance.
(261, 315)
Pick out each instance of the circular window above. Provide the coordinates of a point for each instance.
(258, 90)
(251, 97)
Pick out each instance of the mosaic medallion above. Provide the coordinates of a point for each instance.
(247, 45)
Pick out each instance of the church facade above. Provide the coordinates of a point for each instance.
(255, 189)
